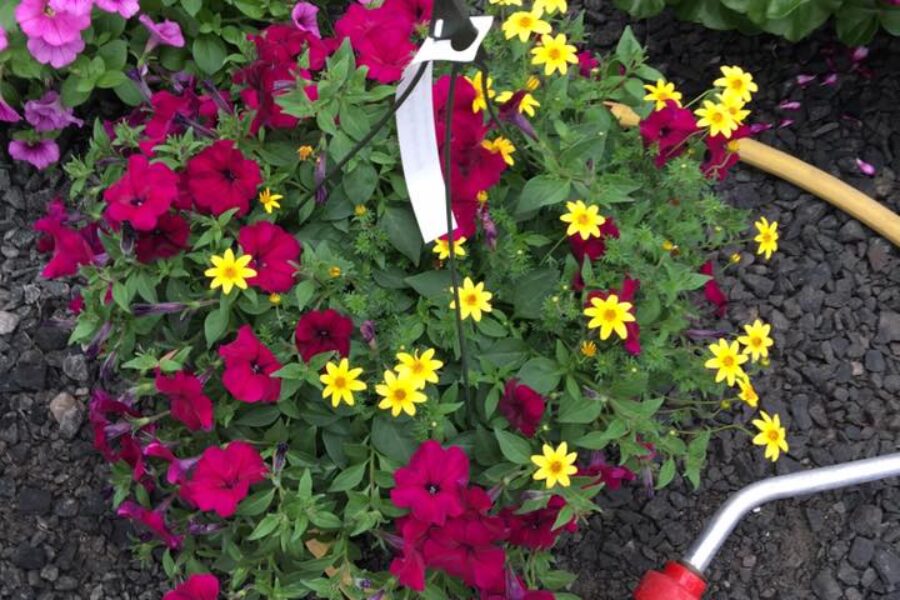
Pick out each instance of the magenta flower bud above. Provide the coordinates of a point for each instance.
(279, 458)
(107, 369)
(93, 349)
(367, 330)
(196, 528)
(128, 240)
(495, 492)
(161, 308)
(394, 541)
(489, 227)
(647, 479)
(114, 430)
(319, 178)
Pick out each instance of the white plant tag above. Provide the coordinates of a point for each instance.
(418, 139)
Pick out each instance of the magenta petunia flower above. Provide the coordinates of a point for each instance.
(320, 331)
(142, 195)
(534, 529)
(55, 56)
(40, 154)
(166, 33)
(3, 41)
(48, 113)
(7, 113)
(304, 17)
(189, 404)
(152, 519)
(223, 476)
(197, 587)
(71, 248)
(275, 253)
(125, 8)
(249, 365)
(432, 484)
(57, 27)
(522, 407)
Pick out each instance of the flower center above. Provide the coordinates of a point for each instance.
(737, 84)
(728, 361)
(554, 54)
(229, 273)
(399, 395)
(229, 175)
(766, 237)
(417, 367)
(323, 334)
(555, 467)
(432, 488)
(716, 117)
(137, 201)
(256, 368)
(340, 382)
(48, 11)
(472, 300)
(610, 314)
(773, 435)
(583, 219)
(756, 341)
(525, 21)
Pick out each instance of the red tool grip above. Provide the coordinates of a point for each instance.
(674, 582)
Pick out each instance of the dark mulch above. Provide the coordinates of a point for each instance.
(831, 294)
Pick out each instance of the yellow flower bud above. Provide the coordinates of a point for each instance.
(335, 272)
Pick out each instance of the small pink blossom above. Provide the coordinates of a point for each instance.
(865, 168)
(804, 80)
(167, 33)
(55, 56)
(48, 113)
(40, 154)
(304, 17)
(125, 8)
(830, 80)
(789, 105)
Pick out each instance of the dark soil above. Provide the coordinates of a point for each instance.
(831, 294)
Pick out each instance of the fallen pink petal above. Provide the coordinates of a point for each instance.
(789, 105)
(804, 80)
(830, 80)
(865, 168)
(785, 123)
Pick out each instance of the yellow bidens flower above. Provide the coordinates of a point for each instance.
(554, 53)
(668, 246)
(550, 6)
(304, 152)
(767, 238)
(502, 146)
(661, 93)
(228, 271)
(737, 82)
(473, 300)
(480, 102)
(526, 105)
(735, 106)
(771, 435)
(523, 24)
(748, 394)
(360, 210)
(757, 341)
(717, 118)
(589, 348)
(555, 465)
(421, 368)
(442, 248)
(582, 219)
(400, 394)
(275, 298)
(269, 200)
(609, 315)
(728, 360)
(340, 382)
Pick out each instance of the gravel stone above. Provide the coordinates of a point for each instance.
(887, 564)
(8, 322)
(861, 552)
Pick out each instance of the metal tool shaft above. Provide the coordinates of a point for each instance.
(802, 483)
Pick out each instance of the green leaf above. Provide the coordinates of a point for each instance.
(256, 504)
(192, 7)
(696, 457)
(70, 92)
(114, 55)
(856, 24)
(349, 478)
(598, 440)
(392, 439)
(540, 191)
(111, 79)
(216, 324)
(579, 410)
(303, 293)
(531, 290)
(259, 416)
(516, 449)
(265, 527)
(629, 50)
(540, 373)
(431, 284)
(209, 53)
(403, 232)
(779, 9)
(251, 8)
(666, 474)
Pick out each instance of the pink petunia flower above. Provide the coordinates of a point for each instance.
(304, 17)
(223, 476)
(40, 154)
(165, 33)
(197, 587)
(57, 27)
(48, 113)
(55, 56)
(77, 7)
(125, 8)
(7, 113)
(152, 519)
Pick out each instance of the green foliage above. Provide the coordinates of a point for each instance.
(856, 21)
